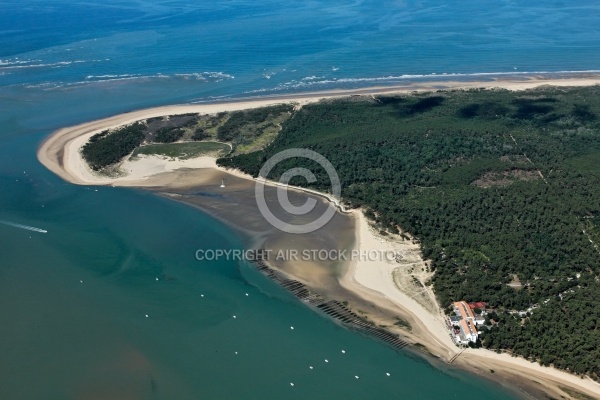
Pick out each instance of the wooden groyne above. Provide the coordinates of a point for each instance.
(335, 309)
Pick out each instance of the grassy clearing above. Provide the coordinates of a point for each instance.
(183, 150)
(270, 130)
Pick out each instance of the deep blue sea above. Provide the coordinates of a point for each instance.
(74, 300)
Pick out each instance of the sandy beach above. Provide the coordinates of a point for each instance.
(374, 280)
(380, 282)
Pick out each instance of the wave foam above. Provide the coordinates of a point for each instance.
(108, 78)
(311, 78)
(92, 77)
(312, 81)
(29, 64)
(205, 76)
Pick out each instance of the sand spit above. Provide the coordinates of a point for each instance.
(60, 151)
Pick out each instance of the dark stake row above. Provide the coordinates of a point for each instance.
(332, 308)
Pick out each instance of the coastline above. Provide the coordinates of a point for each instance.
(52, 150)
(59, 153)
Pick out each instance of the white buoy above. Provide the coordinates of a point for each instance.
(146, 315)
(291, 327)
(326, 360)
(246, 294)
(387, 373)
(201, 295)
(356, 376)
(343, 351)
(236, 352)
(291, 383)
(81, 281)
(234, 316)
(156, 278)
(310, 367)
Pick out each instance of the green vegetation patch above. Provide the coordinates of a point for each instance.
(183, 150)
(168, 135)
(107, 148)
(251, 130)
(246, 131)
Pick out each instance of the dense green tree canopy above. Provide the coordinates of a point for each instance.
(498, 186)
(106, 148)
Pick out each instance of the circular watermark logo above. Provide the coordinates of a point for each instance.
(283, 186)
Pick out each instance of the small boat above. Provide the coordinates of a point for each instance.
(222, 183)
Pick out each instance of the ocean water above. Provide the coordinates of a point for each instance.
(74, 300)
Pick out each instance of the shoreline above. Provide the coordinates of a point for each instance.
(442, 82)
(59, 152)
(435, 337)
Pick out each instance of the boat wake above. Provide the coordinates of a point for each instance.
(27, 227)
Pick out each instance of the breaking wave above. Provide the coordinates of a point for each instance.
(112, 78)
(316, 81)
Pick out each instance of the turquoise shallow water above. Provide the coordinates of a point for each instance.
(74, 300)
